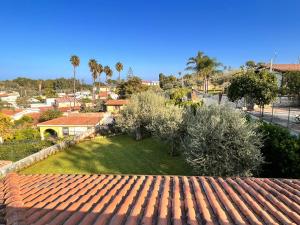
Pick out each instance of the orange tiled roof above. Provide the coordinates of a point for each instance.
(72, 121)
(10, 112)
(117, 102)
(284, 67)
(65, 99)
(131, 200)
(103, 94)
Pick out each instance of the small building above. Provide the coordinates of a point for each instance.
(71, 125)
(66, 102)
(10, 98)
(114, 106)
(103, 95)
(150, 82)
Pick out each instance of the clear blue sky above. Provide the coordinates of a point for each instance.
(38, 37)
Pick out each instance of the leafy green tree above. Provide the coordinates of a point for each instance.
(219, 141)
(133, 85)
(23, 122)
(256, 87)
(23, 102)
(49, 115)
(168, 82)
(75, 61)
(203, 66)
(167, 125)
(281, 151)
(99, 70)
(119, 68)
(5, 127)
(93, 65)
(139, 113)
(291, 84)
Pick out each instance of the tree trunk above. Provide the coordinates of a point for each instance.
(138, 134)
(119, 79)
(74, 86)
(94, 92)
(220, 97)
(172, 152)
(262, 110)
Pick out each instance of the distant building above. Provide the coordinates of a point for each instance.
(66, 102)
(10, 98)
(150, 82)
(71, 125)
(114, 106)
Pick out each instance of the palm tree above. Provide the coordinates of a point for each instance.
(99, 70)
(119, 68)
(108, 73)
(93, 68)
(203, 66)
(75, 61)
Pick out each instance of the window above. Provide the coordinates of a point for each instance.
(65, 131)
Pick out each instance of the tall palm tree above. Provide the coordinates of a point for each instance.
(99, 70)
(93, 68)
(75, 61)
(119, 68)
(108, 72)
(203, 66)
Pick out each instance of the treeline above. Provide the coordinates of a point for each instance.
(32, 87)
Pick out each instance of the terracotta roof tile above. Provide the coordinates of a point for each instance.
(284, 67)
(72, 121)
(130, 200)
(117, 102)
(10, 112)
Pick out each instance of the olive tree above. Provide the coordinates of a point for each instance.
(219, 141)
(140, 112)
(167, 125)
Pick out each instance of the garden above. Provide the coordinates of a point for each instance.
(113, 155)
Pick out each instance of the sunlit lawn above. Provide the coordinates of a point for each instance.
(115, 155)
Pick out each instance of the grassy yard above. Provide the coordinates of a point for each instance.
(115, 155)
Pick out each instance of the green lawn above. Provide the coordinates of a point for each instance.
(115, 155)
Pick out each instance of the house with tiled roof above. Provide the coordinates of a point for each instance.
(70, 125)
(115, 105)
(56, 199)
(66, 102)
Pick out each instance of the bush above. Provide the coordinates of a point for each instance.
(49, 115)
(281, 151)
(27, 134)
(220, 142)
(16, 150)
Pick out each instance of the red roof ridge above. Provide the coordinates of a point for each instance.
(13, 200)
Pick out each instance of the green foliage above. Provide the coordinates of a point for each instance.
(179, 95)
(291, 84)
(132, 86)
(28, 133)
(5, 127)
(24, 121)
(256, 87)
(140, 112)
(168, 82)
(281, 151)
(23, 102)
(49, 115)
(167, 125)
(16, 150)
(220, 142)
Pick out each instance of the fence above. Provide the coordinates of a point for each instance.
(43, 154)
(282, 112)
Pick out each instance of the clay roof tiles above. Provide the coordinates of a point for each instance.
(116, 102)
(284, 67)
(131, 200)
(72, 121)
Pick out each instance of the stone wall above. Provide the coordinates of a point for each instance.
(43, 154)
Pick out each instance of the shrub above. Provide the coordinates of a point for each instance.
(220, 142)
(49, 115)
(281, 151)
(16, 150)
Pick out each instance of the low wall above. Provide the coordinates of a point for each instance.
(43, 154)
